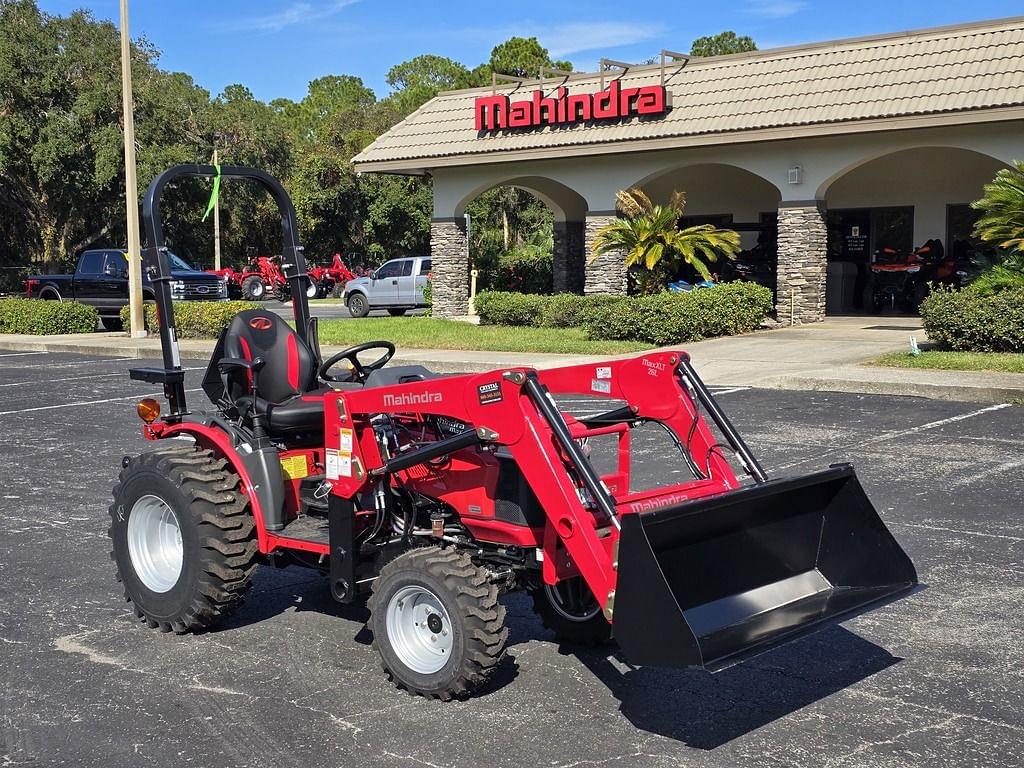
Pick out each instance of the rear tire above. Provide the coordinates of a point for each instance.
(437, 623)
(358, 306)
(570, 610)
(396, 312)
(282, 294)
(253, 288)
(183, 538)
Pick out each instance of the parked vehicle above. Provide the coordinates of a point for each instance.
(437, 494)
(396, 286)
(902, 281)
(681, 286)
(101, 280)
(330, 277)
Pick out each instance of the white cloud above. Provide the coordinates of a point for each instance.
(296, 13)
(566, 39)
(775, 9)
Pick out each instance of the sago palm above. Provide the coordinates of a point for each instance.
(1002, 207)
(648, 233)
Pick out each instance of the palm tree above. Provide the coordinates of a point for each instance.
(649, 233)
(1002, 207)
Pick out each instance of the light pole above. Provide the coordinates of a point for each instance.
(137, 326)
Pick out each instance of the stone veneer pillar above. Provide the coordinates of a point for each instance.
(803, 241)
(569, 258)
(605, 273)
(450, 267)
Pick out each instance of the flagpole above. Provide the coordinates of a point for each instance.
(137, 326)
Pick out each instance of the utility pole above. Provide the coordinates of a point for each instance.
(216, 218)
(137, 326)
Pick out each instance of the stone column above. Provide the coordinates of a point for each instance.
(450, 267)
(569, 259)
(605, 273)
(803, 240)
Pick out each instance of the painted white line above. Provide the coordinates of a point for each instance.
(717, 392)
(20, 354)
(78, 378)
(974, 477)
(943, 529)
(896, 434)
(87, 402)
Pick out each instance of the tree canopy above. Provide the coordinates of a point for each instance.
(722, 44)
(62, 156)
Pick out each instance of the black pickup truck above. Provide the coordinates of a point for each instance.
(101, 279)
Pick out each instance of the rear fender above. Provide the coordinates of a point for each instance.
(218, 440)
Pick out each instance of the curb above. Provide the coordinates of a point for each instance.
(956, 392)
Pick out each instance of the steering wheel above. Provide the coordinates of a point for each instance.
(358, 371)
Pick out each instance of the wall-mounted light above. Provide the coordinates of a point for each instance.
(795, 174)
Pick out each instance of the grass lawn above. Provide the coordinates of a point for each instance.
(1003, 362)
(432, 333)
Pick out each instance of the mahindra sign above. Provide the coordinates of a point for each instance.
(498, 112)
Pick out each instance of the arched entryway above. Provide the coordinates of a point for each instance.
(730, 197)
(898, 201)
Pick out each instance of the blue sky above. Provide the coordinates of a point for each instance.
(276, 48)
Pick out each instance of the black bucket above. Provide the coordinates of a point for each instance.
(709, 582)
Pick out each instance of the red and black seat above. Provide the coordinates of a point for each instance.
(288, 394)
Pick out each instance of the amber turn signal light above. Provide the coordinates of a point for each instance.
(148, 410)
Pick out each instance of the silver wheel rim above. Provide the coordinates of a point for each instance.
(572, 599)
(356, 306)
(256, 289)
(154, 543)
(419, 629)
(312, 290)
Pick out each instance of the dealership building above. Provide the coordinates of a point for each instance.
(817, 154)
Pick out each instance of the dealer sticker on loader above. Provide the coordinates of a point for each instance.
(435, 495)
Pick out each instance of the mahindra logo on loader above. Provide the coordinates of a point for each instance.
(497, 112)
(424, 398)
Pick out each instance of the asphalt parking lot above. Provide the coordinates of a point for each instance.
(290, 680)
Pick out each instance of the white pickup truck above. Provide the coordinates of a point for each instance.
(395, 285)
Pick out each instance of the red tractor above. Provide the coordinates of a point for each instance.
(434, 495)
(327, 278)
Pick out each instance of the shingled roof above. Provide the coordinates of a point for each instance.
(950, 75)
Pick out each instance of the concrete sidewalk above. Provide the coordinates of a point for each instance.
(826, 356)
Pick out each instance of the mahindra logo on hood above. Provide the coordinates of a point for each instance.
(498, 112)
(425, 398)
(260, 323)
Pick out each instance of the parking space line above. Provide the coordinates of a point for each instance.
(21, 354)
(77, 378)
(87, 402)
(898, 433)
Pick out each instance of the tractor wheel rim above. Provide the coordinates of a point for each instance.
(311, 291)
(572, 599)
(257, 290)
(154, 543)
(419, 629)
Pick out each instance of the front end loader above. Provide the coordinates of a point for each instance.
(436, 494)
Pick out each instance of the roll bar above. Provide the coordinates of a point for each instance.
(157, 265)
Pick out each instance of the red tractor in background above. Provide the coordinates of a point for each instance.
(262, 276)
(436, 494)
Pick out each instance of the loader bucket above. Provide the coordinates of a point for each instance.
(709, 582)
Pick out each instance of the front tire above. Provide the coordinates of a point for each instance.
(112, 323)
(358, 306)
(570, 610)
(253, 288)
(396, 312)
(183, 538)
(437, 623)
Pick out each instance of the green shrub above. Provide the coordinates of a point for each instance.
(997, 278)
(672, 318)
(969, 321)
(525, 269)
(428, 297)
(501, 308)
(570, 310)
(196, 319)
(46, 318)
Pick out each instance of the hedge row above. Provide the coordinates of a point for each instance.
(196, 319)
(666, 318)
(45, 318)
(970, 321)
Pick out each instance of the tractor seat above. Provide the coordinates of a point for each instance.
(288, 394)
